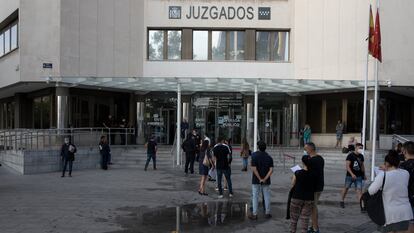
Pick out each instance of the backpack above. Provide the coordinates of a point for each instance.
(374, 205)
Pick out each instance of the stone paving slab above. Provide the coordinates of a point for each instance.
(118, 200)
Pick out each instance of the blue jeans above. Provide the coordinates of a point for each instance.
(245, 162)
(227, 174)
(149, 157)
(358, 182)
(256, 190)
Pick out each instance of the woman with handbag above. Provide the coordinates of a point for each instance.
(397, 208)
(205, 162)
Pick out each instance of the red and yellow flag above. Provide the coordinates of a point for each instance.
(377, 39)
(371, 33)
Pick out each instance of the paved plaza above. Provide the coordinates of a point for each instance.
(124, 200)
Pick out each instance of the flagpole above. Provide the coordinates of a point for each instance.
(364, 119)
(374, 133)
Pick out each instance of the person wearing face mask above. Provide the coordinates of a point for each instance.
(67, 154)
(355, 172)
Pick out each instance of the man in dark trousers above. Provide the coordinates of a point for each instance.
(316, 169)
(408, 164)
(222, 157)
(189, 147)
(151, 153)
(67, 154)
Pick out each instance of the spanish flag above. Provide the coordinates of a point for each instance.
(371, 33)
(377, 39)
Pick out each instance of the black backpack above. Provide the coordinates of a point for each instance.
(375, 205)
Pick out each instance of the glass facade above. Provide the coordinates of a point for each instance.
(156, 45)
(42, 112)
(200, 45)
(272, 46)
(237, 45)
(218, 45)
(174, 45)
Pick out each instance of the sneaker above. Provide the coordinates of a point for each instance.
(342, 204)
(252, 217)
(225, 188)
(230, 195)
(268, 216)
(220, 196)
(310, 230)
(217, 189)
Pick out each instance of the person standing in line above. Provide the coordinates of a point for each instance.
(301, 204)
(123, 125)
(397, 208)
(400, 151)
(203, 169)
(339, 134)
(408, 165)
(316, 168)
(108, 124)
(151, 146)
(184, 128)
(105, 151)
(262, 169)
(67, 155)
(307, 133)
(245, 153)
(189, 147)
(355, 172)
(222, 157)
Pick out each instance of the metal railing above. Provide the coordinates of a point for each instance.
(43, 139)
(398, 139)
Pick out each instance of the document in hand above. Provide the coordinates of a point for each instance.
(295, 168)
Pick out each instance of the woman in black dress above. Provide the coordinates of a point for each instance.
(204, 163)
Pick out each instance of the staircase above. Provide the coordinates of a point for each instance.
(284, 157)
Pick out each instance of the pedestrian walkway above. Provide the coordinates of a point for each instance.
(130, 200)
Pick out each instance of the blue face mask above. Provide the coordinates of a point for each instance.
(305, 152)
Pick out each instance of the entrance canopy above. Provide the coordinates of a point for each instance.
(214, 84)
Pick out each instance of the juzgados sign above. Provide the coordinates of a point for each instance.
(220, 13)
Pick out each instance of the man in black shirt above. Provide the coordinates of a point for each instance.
(316, 167)
(408, 164)
(262, 167)
(151, 153)
(189, 147)
(222, 156)
(355, 172)
(67, 154)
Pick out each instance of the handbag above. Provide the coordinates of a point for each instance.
(345, 150)
(375, 205)
(206, 160)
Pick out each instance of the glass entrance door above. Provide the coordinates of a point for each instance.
(270, 126)
(161, 124)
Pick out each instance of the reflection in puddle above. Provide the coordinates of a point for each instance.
(195, 216)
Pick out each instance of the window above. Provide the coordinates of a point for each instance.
(13, 38)
(272, 46)
(218, 45)
(1, 45)
(155, 45)
(236, 50)
(41, 112)
(9, 38)
(7, 41)
(200, 45)
(174, 45)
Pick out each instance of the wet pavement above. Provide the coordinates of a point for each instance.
(131, 200)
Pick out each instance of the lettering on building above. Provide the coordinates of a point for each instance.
(219, 13)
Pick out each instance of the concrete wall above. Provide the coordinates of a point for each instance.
(39, 38)
(32, 162)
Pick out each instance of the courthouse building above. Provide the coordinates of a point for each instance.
(71, 63)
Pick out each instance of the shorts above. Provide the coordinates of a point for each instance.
(338, 136)
(317, 196)
(398, 226)
(358, 182)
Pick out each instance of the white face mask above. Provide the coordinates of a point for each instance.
(305, 152)
(67, 141)
(360, 151)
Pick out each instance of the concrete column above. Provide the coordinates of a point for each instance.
(323, 118)
(294, 110)
(256, 117)
(62, 101)
(345, 113)
(140, 108)
(177, 134)
(249, 119)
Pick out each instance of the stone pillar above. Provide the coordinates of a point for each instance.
(294, 114)
(140, 111)
(62, 101)
(186, 113)
(345, 113)
(248, 103)
(323, 118)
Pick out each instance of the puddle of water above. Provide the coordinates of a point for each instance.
(200, 217)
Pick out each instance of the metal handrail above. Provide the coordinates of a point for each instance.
(23, 139)
(398, 139)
